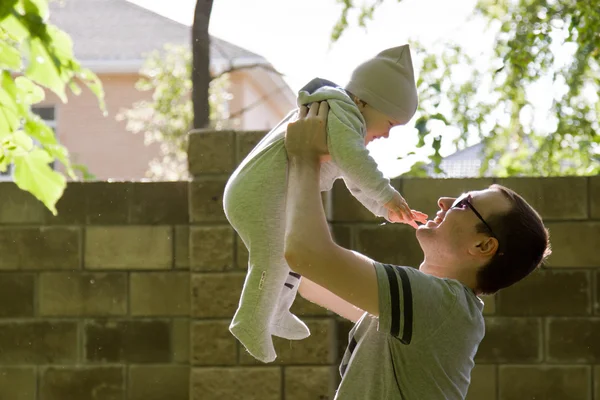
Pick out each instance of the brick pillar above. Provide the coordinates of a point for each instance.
(221, 368)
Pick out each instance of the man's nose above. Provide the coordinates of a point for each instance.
(445, 202)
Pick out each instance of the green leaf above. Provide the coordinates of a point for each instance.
(42, 68)
(9, 110)
(439, 117)
(38, 7)
(22, 140)
(28, 92)
(37, 129)
(10, 58)
(6, 8)
(15, 28)
(93, 83)
(33, 174)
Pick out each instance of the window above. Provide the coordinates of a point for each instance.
(46, 113)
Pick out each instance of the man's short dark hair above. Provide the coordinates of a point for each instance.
(523, 244)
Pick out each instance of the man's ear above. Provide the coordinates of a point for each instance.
(485, 248)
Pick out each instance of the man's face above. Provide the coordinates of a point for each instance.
(452, 234)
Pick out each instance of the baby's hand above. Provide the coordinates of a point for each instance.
(399, 211)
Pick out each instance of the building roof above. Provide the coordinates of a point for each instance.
(118, 31)
(465, 163)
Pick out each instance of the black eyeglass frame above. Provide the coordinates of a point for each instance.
(467, 200)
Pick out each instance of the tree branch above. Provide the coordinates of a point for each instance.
(267, 67)
(256, 103)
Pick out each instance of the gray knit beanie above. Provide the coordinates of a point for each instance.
(387, 83)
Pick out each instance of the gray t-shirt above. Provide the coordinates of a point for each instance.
(422, 345)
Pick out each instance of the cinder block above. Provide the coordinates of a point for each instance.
(573, 340)
(129, 247)
(159, 382)
(571, 244)
(596, 382)
(55, 248)
(133, 341)
(245, 142)
(553, 198)
(596, 301)
(82, 294)
(180, 333)
(489, 302)
(39, 342)
(254, 383)
(159, 203)
(216, 295)
(108, 202)
(308, 383)
(392, 244)
(182, 247)
(211, 248)
(594, 196)
(213, 344)
(547, 293)
(211, 152)
(19, 206)
(160, 293)
(422, 194)
(16, 295)
(82, 383)
(317, 349)
(304, 308)
(346, 208)
(242, 255)
(484, 384)
(18, 383)
(342, 235)
(206, 200)
(510, 340)
(518, 382)
(71, 207)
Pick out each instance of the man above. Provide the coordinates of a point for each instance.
(416, 331)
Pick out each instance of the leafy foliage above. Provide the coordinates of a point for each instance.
(34, 55)
(554, 44)
(168, 116)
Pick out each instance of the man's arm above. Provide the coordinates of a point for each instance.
(324, 298)
(309, 247)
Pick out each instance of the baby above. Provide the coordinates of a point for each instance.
(381, 94)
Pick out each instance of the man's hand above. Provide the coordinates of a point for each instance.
(307, 136)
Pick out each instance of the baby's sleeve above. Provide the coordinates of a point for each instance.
(377, 209)
(348, 151)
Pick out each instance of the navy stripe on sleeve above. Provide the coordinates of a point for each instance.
(408, 306)
(407, 312)
(395, 300)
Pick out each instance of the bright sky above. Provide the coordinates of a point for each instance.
(295, 37)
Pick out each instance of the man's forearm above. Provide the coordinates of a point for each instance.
(307, 233)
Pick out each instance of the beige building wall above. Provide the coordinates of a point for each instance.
(98, 141)
(109, 151)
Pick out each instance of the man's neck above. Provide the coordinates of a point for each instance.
(461, 274)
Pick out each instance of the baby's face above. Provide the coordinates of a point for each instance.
(378, 124)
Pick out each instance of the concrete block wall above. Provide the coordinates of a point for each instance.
(128, 293)
(95, 303)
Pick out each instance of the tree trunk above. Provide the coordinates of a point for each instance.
(201, 63)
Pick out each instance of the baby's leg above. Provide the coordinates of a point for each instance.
(285, 324)
(250, 324)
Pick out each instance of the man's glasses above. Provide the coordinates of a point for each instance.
(465, 202)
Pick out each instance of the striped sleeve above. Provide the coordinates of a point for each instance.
(412, 304)
(395, 302)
